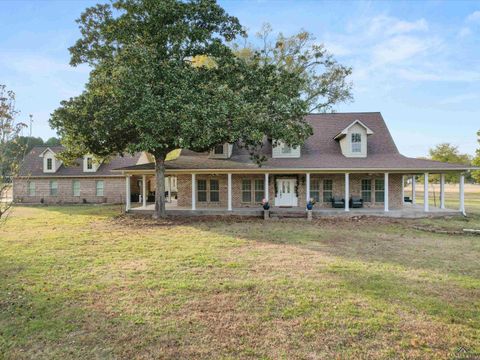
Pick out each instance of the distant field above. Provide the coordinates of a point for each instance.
(452, 196)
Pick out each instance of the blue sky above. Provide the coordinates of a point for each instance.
(416, 62)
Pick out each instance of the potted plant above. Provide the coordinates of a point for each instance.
(310, 204)
(265, 204)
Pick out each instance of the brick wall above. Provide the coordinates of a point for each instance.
(114, 191)
(338, 184)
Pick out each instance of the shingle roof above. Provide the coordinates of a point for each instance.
(33, 165)
(320, 151)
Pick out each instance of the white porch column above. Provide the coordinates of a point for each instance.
(425, 193)
(403, 189)
(194, 193)
(385, 192)
(169, 189)
(347, 191)
(229, 191)
(414, 190)
(307, 190)
(462, 194)
(266, 186)
(144, 190)
(442, 191)
(127, 193)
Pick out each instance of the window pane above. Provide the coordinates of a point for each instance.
(356, 142)
(315, 184)
(379, 190)
(99, 187)
(218, 149)
(53, 187)
(202, 185)
(246, 190)
(89, 163)
(259, 190)
(31, 188)
(315, 195)
(367, 190)
(76, 187)
(327, 190)
(214, 190)
(49, 164)
(202, 190)
(286, 149)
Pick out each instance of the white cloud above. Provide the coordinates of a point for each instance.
(464, 32)
(398, 49)
(474, 17)
(388, 25)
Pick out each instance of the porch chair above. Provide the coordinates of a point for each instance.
(338, 202)
(356, 202)
(407, 199)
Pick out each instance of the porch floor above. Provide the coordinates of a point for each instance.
(408, 211)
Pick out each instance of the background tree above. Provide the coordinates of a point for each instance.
(10, 129)
(476, 162)
(446, 152)
(53, 141)
(150, 90)
(325, 80)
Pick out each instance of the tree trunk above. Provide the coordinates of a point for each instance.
(160, 188)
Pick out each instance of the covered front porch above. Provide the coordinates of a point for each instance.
(391, 194)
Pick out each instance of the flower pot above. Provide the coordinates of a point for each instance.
(309, 206)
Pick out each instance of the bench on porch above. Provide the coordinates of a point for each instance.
(407, 199)
(338, 202)
(356, 202)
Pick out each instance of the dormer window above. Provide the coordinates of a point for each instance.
(49, 164)
(283, 150)
(286, 149)
(219, 150)
(356, 143)
(89, 164)
(222, 151)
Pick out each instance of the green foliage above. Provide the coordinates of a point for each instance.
(476, 162)
(53, 141)
(147, 92)
(324, 79)
(448, 153)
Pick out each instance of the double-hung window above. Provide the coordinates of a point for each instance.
(379, 190)
(218, 150)
(31, 188)
(76, 187)
(53, 187)
(327, 190)
(99, 186)
(49, 163)
(202, 190)
(246, 190)
(367, 190)
(356, 143)
(315, 189)
(259, 190)
(214, 190)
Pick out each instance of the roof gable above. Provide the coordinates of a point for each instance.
(344, 132)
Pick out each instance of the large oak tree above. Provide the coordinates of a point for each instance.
(148, 92)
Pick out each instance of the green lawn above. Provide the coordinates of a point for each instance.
(80, 283)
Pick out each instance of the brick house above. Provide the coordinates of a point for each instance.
(349, 156)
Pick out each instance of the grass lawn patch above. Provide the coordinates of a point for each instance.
(81, 282)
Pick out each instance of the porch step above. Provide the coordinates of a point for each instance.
(285, 213)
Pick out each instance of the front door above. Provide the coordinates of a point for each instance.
(286, 195)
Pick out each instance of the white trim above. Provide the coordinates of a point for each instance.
(347, 191)
(265, 184)
(385, 192)
(442, 191)
(344, 132)
(307, 190)
(426, 205)
(144, 190)
(194, 200)
(414, 190)
(229, 191)
(127, 193)
(403, 189)
(462, 194)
